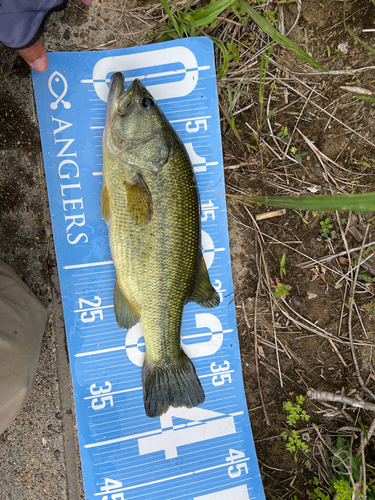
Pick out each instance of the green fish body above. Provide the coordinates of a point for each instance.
(149, 200)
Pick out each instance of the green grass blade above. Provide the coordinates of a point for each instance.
(170, 15)
(272, 32)
(261, 72)
(188, 7)
(356, 38)
(365, 98)
(207, 15)
(357, 202)
(225, 66)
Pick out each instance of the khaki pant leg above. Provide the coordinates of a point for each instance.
(22, 322)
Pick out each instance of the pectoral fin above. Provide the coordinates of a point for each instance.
(126, 314)
(204, 293)
(139, 200)
(104, 204)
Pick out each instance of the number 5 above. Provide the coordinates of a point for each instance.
(101, 405)
(86, 319)
(222, 376)
(239, 467)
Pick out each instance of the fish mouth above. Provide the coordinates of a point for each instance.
(120, 99)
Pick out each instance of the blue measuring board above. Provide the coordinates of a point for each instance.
(203, 453)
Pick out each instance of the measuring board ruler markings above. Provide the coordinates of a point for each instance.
(203, 453)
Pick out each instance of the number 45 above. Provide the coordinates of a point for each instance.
(112, 484)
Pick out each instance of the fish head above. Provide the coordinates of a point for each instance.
(135, 123)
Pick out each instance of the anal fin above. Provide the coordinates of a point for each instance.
(139, 200)
(204, 293)
(126, 314)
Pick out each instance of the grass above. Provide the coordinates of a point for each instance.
(359, 202)
(277, 103)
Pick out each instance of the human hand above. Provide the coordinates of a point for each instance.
(36, 56)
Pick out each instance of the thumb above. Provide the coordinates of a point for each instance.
(35, 56)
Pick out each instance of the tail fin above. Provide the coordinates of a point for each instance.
(168, 385)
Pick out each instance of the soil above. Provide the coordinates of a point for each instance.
(306, 360)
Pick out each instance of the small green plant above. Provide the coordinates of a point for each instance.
(283, 133)
(303, 157)
(282, 266)
(295, 443)
(343, 490)
(364, 277)
(270, 15)
(369, 307)
(318, 493)
(280, 289)
(326, 229)
(295, 413)
(339, 53)
(343, 462)
(233, 52)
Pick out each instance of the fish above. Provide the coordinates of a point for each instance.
(149, 200)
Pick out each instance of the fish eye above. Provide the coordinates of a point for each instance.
(147, 103)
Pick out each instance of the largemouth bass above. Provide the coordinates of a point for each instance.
(149, 200)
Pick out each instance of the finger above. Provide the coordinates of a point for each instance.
(86, 2)
(35, 56)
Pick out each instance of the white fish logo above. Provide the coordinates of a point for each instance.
(56, 77)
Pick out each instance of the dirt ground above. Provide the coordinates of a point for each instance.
(302, 341)
(306, 359)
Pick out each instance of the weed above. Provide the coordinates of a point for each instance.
(280, 289)
(356, 38)
(295, 443)
(295, 412)
(339, 53)
(270, 15)
(283, 133)
(364, 277)
(262, 78)
(326, 229)
(370, 307)
(318, 493)
(302, 217)
(303, 157)
(230, 120)
(348, 468)
(184, 24)
(282, 265)
(233, 52)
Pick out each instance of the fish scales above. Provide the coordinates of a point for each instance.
(150, 202)
(162, 255)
